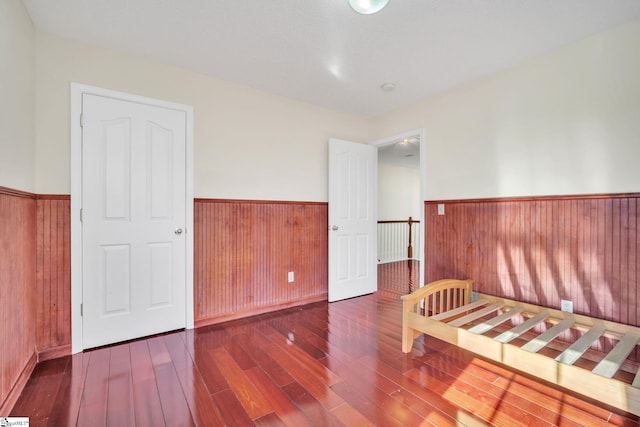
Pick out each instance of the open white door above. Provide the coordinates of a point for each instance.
(353, 269)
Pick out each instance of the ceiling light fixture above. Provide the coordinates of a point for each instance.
(367, 7)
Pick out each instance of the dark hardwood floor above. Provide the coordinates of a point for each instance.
(400, 277)
(318, 365)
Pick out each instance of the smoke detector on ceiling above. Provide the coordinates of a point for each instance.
(387, 87)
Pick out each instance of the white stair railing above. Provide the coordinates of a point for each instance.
(397, 240)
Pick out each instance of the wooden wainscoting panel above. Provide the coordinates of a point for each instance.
(244, 250)
(17, 291)
(543, 249)
(53, 276)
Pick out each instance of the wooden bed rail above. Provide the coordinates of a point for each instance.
(486, 327)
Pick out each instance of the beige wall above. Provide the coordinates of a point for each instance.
(398, 193)
(248, 144)
(565, 123)
(17, 131)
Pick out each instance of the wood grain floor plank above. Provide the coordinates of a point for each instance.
(237, 351)
(301, 374)
(294, 332)
(321, 364)
(310, 406)
(351, 416)
(202, 407)
(365, 383)
(40, 393)
(354, 396)
(251, 399)
(477, 401)
(352, 370)
(430, 397)
(510, 386)
(277, 372)
(174, 405)
(209, 370)
(287, 346)
(231, 410)
(427, 412)
(280, 402)
(93, 406)
(569, 401)
(210, 337)
(146, 399)
(460, 371)
(67, 402)
(269, 420)
(120, 405)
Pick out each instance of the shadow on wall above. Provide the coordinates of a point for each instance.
(543, 250)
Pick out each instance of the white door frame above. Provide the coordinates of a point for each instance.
(77, 90)
(390, 140)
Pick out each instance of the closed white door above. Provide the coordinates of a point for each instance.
(353, 269)
(133, 220)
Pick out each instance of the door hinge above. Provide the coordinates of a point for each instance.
(81, 120)
(80, 214)
(81, 311)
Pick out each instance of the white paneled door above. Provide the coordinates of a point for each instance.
(352, 219)
(133, 220)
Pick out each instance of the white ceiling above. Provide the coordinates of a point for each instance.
(322, 52)
(404, 153)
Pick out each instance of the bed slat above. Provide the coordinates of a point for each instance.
(611, 363)
(514, 333)
(492, 323)
(545, 338)
(459, 310)
(636, 380)
(577, 349)
(475, 315)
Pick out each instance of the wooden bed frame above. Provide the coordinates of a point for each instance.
(444, 310)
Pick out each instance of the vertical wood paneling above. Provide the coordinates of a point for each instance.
(17, 289)
(244, 249)
(633, 243)
(53, 275)
(242, 253)
(542, 250)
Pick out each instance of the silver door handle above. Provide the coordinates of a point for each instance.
(178, 231)
(335, 228)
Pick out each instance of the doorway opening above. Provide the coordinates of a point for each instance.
(400, 212)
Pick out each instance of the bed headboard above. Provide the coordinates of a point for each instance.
(439, 296)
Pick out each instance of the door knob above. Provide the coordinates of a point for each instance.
(178, 231)
(335, 228)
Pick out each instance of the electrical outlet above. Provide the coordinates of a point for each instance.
(290, 277)
(566, 306)
(440, 208)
